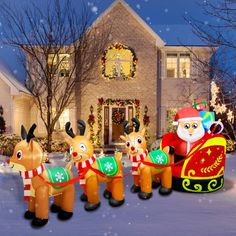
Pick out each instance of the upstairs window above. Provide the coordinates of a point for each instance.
(59, 64)
(171, 65)
(178, 65)
(184, 66)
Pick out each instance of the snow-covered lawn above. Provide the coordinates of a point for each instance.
(181, 214)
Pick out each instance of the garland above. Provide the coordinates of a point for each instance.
(91, 122)
(114, 73)
(146, 122)
(117, 102)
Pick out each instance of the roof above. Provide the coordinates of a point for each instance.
(16, 86)
(159, 41)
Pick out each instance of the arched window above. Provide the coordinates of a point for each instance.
(119, 62)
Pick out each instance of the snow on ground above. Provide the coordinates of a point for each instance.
(179, 214)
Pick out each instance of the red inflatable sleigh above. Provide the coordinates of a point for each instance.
(202, 170)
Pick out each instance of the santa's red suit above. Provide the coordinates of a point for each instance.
(181, 147)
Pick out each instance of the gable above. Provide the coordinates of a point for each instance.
(118, 10)
(15, 86)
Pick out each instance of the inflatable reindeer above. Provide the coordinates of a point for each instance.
(144, 170)
(95, 170)
(27, 158)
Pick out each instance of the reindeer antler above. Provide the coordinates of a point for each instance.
(81, 126)
(30, 134)
(126, 127)
(23, 132)
(136, 124)
(69, 130)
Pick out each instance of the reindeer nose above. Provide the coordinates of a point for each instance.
(132, 148)
(74, 154)
(8, 161)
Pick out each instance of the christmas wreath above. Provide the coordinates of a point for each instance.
(118, 117)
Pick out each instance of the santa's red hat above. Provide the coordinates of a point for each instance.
(187, 114)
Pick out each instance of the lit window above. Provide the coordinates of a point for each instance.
(119, 62)
(171, 66)
(184, 66)
(178, 65)
(60, 63)
(65, 117)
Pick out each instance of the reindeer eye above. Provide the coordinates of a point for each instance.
(82, 147)
(71, 149)
(19, 154)
(128, 143)
(139, 140)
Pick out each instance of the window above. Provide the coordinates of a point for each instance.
(60, 63)
(65, 117)
(184, 66)
(171, 65)
(119, 62)
(178, 65)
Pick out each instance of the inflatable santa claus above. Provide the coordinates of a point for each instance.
(189, 132)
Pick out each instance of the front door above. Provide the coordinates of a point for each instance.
(113, 127)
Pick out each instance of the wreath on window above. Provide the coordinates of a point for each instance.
(114, 74)
(118, 117)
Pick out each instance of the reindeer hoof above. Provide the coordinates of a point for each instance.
(115, 203)
(135, 189)
(107, 194)
(155, 184)
(64, 215)
(29, 215)
(144, 196)
(36, 222)
(83, 197)
(165, 191)
(91, 207)
(54, 208)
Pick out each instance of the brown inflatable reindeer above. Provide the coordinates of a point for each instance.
(27, 158)
(95, 170)
(143, 170)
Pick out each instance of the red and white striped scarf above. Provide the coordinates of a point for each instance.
(136, 161)
(27, 176)
(81, 166)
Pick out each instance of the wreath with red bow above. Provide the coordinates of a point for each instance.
(118, 117)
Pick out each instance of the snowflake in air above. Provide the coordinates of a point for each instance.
(159, 159)
(108, 167)
(59, 177)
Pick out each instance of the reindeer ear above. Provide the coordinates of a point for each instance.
(88, 136)
(143, 132)
(122, 137)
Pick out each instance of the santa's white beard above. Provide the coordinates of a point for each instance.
(184, 134)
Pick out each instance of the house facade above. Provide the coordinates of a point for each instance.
(137, 75)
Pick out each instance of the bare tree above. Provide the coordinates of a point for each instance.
(219, 33)
(59, 48)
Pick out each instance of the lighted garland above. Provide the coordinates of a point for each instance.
(91, 122)
(146, 122)
(117, 102)
(118, 117)
(114, 75)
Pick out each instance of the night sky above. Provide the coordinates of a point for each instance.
(165, 17)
